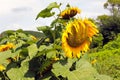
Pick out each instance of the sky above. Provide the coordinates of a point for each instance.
(21, 14)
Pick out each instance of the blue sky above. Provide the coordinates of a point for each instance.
(21, 14)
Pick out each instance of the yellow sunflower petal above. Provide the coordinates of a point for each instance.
(6, 46)
(77, 37)
(2, 67)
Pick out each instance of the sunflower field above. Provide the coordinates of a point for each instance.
(60, 51)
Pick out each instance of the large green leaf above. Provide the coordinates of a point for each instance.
(48, 50)
(32, 50)
(7, 54)
(51, 53)
(21, 73)
(4, 55)
(47, 11)
(83, 70)
(53, 5)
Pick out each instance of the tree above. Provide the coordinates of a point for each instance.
(113, 6)
(110, 24)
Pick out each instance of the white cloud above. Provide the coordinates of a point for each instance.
(8, 5)
(16, 14)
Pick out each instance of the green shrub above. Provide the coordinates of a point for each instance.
(97, 43)
(113, 44)
(108, 59)
(107, 62)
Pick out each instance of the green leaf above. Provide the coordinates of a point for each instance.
(83, 70)
(41, 50)
(43, 28)
(47, 11)
(22, 35)
(21, 73)
(7, 54)
(53, 5)
(48, 50)
(51, 53)
(48, 32)
(4, 55)
(32, 50)
(42, 47)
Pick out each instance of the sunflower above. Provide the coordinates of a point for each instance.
(77, 37)
(6, 46)
(2, 67)
(69, 12)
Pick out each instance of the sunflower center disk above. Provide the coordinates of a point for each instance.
(76, 38)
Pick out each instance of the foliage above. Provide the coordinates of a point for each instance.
(76, 70)
(113, 6)
(107, 62)
(113, 44)
(109, 27)
(41, 58)
(47, 11)
(97, 43)
(108, 59)
(110, 24)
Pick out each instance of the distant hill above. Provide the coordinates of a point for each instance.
(34, 33)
